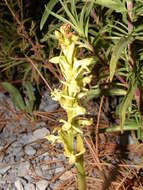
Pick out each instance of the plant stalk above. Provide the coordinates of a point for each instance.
(81, 173)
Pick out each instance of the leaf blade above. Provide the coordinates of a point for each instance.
(117, 51)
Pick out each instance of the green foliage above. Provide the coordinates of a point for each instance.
(103, 27)
(78, 21)
(16, 96)
(127, 100)
(46, 14)
(117, 51)
(117, 5)
(26, 105)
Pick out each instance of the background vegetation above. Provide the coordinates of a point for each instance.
(110, 31)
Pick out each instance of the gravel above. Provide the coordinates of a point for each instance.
(40, 133)
(47, 104)
(29, 186)
(23, 169)
(3, 170)
(19, 185)
(20, 161)
(41, 185)
(29, 150)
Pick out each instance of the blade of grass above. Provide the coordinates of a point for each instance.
(68, 12)
(117, 51)
(16, 96)
(127, 100)
(46, 14)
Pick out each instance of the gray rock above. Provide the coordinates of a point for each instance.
(62, 157)
(3, 170)
(29, 150)
(131, 140)
(41, 185)
(54, 186)
(46, 156)
(19, 185)
(8, 130)
(59, 169)
(40, 133)
(26, 138)
(47, 104)
(38, 171)
(29, 186)
(23, 122)
(2, 95)
(23, 169)
(22, 180)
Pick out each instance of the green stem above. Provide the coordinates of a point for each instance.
(81, 173)
(130, 126)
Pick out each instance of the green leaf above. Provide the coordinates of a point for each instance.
(31, 98)
(16, 96)
(45, 16)
(68, 12)
(127, 100)
(116, 5)
(117, 51)
(29, 89)
(61, 18)
(79, 146)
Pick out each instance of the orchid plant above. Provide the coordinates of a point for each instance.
(76, 75)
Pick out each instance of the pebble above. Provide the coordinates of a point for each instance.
(23, 169)
(131, 140)
(29, 186)
(3, 170)
(47, 104)
(41, 185)
(29, 150)
(18, 185)
(40, 133)
(59, 169)
(54, 186)
(39, 171)
(26, 138)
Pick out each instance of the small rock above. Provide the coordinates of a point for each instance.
(47, 104)
(23, 122)
(41, 185)
(29, 150)
(3, 170)
(26, 138)
(131, 140)
(55, 186)
(2, 95)
(38, 171)
(18, 185)
(23, 169)
(40, 133)
(59, 169)
(46, 156)
(29, 186)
